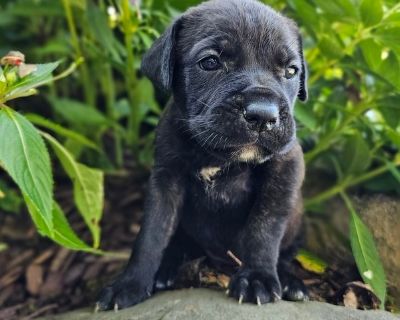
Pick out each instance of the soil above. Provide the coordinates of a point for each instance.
(37, 277)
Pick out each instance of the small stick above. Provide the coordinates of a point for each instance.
(234, 258)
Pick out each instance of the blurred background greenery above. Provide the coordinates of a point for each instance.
(349, 128)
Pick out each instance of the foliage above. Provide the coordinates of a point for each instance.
(349, 128)
(23, 155)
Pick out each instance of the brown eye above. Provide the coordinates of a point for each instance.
(290, 72)
(210, 63)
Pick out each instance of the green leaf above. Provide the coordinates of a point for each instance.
(389, 107)
(372, 53)
(144, 97)
(356, 155)
(25, 158)
(305, 115)
(38, 219)
(98, 24)
(41, 76)
(306, 13)
(79, 115)
(48, 124)
(371, 12)
(389, 37)
(389, 69)
(330, 47)
(366, 254)
(88, 188)
(63, 233)
(311, 262)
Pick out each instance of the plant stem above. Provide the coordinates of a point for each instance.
(130, 75)
(325, 195)
(109, 89)
(86, 82)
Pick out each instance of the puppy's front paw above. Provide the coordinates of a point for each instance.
(255, 285)
(120, 295)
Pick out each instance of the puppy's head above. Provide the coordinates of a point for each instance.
(236, 68)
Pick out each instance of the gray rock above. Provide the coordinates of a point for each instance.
(382, 215)
(205, 304)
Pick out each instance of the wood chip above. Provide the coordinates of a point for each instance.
(6, 293)
(10, 277)
(44, 256)
(93, 271)
(21, 258)
(10, 312)
(74, 274)
(350, 299)
(357, 295)
(59, 259)
(40, 311)
(53, 285)
(34, 278)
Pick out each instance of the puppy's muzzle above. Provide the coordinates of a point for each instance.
(262, 115)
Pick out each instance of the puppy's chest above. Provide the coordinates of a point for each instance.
(225, 186)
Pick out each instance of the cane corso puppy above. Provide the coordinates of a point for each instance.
(228, 168)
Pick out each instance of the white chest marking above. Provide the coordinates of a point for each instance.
(250, 153)
(207, 173)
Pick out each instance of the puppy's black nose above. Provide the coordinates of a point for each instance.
(262, 115)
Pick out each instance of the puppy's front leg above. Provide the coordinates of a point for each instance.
(161, 216)
(258, 244)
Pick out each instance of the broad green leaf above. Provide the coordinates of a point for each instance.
(144, 97)
(372, 53)
(41, 76)
(330, 8)
(25, 158)
(389, 108)
(305, 115)
(79, 115)
(389, 69)
(88, 187)
(389, 37)
(366, 254)
(306, 13)
(48, 124)
(38, 219)
(63, 233)
(330, 48)
(356, 155)
(371, 12)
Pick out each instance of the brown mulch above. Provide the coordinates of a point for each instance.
(38, 278)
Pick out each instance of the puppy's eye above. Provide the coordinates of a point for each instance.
(290, 72)
(210, 63)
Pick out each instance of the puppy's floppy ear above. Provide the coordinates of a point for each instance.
(158, 63)
(303, 91)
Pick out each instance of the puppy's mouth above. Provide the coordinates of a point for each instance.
(258, 154)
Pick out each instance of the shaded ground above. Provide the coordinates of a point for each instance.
(39, 278)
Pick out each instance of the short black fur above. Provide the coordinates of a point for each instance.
(228, 168)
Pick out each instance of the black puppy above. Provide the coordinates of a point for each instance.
(228, 169)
